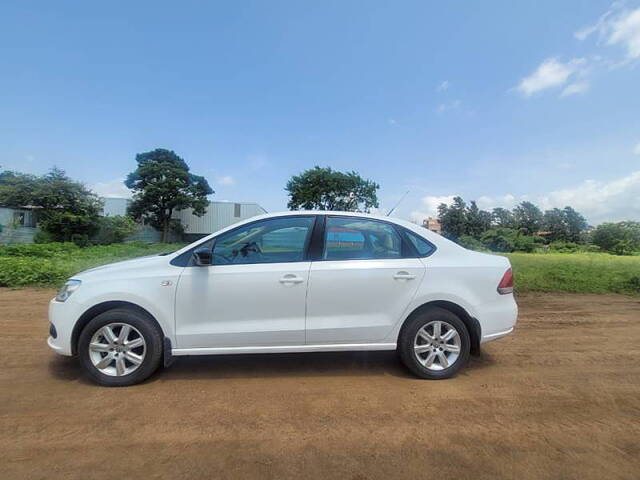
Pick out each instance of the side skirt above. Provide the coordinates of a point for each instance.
(285, 349)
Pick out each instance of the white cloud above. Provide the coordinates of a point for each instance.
(444, 85)
(636, 149)
(429, 207)
(575, 88)
(225, 180)
(549, 74)
(625, 30)
(598, 201)
(112, 188)
(617, 27)
(443, 107)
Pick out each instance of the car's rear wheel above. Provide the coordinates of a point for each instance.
(120, 347)
(434, 344)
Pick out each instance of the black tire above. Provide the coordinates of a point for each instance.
(148, 330)
(408, 335)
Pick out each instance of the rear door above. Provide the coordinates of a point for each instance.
(361, 282)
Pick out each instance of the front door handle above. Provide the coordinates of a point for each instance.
(404, 276)
(291, 278)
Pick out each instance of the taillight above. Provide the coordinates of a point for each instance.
(506, 284)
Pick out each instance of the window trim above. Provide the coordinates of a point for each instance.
(405, 245)
(405, 232)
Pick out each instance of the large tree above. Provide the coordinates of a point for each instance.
(566, 225)
(478, 221)
(327, 189)
(528, 218)
(65, 208)
(502, 217)
(162, 184)
(453, 218)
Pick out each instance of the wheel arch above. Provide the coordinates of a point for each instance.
(102, 307)
(472, 324)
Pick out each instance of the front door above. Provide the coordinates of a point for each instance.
(362, 284)
(254, 293)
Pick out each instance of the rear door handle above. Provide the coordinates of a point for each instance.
(404, 276)
(291, 278)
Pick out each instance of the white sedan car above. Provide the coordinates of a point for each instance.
(288, 282)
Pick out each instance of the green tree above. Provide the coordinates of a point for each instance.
(528, 218)
(565, 225)
(502, 217)
(327, 189)
(66, 208)
(114, 229)
(575, 223)
(554, 222)
(478, 221)
(453, 218)
(17, 189)
(163, 184)
(621, 238)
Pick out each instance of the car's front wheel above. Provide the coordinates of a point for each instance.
(120, 347)
(434, 344)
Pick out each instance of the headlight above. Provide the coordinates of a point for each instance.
(67, 289)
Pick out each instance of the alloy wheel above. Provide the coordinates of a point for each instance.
(437, 345)
(117, 349)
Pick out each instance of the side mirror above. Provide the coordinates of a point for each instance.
(202, 257)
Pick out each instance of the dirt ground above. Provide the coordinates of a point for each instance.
(558, 399)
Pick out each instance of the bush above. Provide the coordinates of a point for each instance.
(564, 247)
(471, 243)
(622, 238)
(114, 229)
(499, 239)
(634, 283)
(42, 237)
(527, 243)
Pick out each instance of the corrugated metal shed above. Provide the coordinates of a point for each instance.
(219, 215)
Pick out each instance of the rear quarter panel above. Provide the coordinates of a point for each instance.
(468, 279)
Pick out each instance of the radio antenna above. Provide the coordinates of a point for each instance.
(399, 201)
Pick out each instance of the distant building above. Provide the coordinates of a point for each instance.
(219, 215)
(432, 224)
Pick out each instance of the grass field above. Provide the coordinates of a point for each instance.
(576, 272)
(49, 265)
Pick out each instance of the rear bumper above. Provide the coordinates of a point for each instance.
(498, 318)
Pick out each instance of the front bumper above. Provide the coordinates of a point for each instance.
(62, 319)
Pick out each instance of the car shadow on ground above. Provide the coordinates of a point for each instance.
(318, 364)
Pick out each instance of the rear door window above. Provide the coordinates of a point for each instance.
(353, 238)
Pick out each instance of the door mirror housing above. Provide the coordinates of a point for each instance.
(202, 257)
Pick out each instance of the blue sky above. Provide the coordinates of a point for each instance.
(496, 101)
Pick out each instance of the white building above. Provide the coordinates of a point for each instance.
(218, 215)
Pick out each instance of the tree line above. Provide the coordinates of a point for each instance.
(162, 183)
(526, 227)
